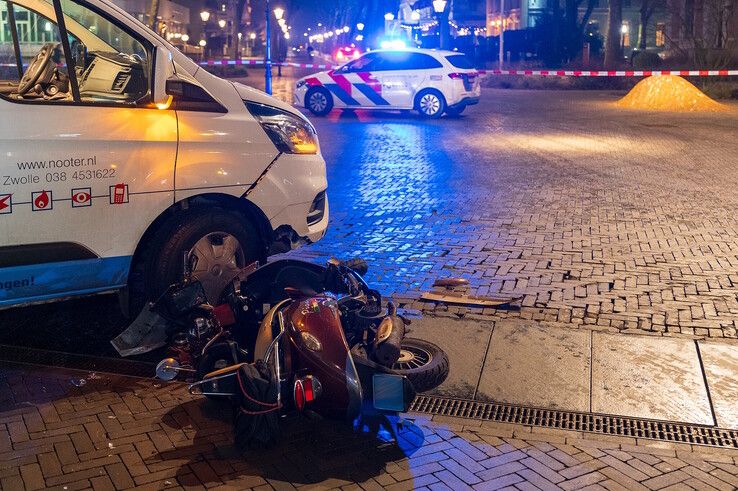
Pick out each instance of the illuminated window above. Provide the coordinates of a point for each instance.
(660, 34)
(625, 32)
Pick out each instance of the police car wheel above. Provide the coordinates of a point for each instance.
(319, 101)
(430, 104)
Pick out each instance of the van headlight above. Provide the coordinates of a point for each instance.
(289, 133)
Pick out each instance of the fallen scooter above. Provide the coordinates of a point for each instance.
(291, 336)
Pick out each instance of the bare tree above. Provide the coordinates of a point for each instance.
(648, 8)
(613, 49)
(708, 43)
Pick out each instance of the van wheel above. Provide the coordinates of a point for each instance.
(319, 101)
(430, 103)
(214, 243)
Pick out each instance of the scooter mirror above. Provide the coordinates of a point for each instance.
(167, 369)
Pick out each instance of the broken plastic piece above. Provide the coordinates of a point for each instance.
(468, 300)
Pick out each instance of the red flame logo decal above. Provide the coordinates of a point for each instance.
(42, 200)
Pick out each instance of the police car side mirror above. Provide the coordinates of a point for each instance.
(163, 70)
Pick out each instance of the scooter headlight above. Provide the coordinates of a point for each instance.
(289, 133)
(311, 342)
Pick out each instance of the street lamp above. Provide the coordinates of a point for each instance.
(389, 16)
(205, 15)
(359, 26)
(185, 37)
(222, 23)
(279, 15)
(439, 7)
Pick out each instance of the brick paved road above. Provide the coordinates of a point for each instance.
(616, 220)
(594, 215)
(598, 216)
(121, 433)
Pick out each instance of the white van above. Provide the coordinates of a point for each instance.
(124, 165)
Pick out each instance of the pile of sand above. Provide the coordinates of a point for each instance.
(668, 93)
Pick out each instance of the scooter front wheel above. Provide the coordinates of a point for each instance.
(423, 363)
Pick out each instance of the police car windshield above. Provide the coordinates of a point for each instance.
(460, 61)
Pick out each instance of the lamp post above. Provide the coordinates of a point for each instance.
(279, 15)
(388, 18)
(268, 51)
(501, 55)
(205, 17)
(439, 7)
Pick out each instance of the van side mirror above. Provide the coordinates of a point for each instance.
(188, 96)
(163, 70)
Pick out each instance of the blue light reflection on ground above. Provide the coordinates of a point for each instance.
(389, 180)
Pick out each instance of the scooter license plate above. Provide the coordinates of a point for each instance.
(389, 392)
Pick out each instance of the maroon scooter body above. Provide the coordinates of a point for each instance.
(318, 348)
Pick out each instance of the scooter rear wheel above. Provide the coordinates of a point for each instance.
(423, 363)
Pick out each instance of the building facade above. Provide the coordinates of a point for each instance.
(524, 14)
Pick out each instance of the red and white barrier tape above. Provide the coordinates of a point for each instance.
(612, 73)
(539, 73)
(261, 62)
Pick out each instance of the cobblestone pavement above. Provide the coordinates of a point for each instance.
(599, 217)
(119, 433)
(614, 219)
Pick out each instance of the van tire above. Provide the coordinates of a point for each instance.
(430, 104)
(161, 263)
(319, 101)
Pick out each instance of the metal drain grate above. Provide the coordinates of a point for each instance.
(569, 420)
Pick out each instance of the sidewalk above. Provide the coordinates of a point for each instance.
(118, 433)
(545, 365)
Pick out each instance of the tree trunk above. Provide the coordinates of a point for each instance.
(643, 27)
(613, 49)
(240, 5)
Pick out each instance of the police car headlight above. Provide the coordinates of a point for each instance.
(289, 133)
(301, 84)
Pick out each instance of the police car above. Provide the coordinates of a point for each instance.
(429, 81)
(125, 166)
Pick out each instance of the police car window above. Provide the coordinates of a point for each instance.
(112, 66)
(402, 60)
(460, 61)
(420, 61)
(32, 65)
(363, 64)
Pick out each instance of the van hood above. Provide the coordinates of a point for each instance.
(254, 95)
